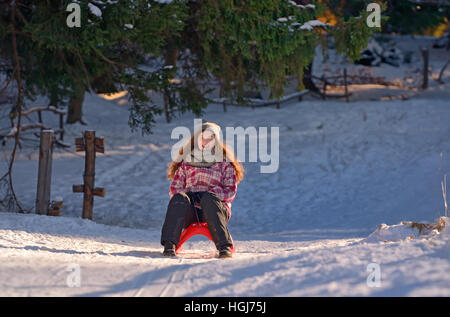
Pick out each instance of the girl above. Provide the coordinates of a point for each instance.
(204, 182)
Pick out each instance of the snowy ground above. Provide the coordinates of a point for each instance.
(42, 256)
(345, 168)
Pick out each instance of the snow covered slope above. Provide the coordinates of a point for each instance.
(62, 256)
(308, 229)
(344, 167)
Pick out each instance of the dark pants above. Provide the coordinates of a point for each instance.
(181, 212)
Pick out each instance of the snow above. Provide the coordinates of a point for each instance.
(40, 255)
(340, 158)
(404, 231)
(407, 75)
(352, 178)
(311, 6)
(309, 25)
(164, 1)
(95, 10)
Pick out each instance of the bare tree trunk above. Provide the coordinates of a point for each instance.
(166, 107)
(425, 55)
(75, 113)
(18, 107)
(53, 99)
(170, 58)
(43, 191)
(442, 72)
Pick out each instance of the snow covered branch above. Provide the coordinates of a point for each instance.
(37, 109)
(308, 6)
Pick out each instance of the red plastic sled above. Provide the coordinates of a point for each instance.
(195, 229)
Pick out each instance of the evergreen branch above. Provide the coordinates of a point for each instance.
(114, 64)
(77, 52)
(69, 68)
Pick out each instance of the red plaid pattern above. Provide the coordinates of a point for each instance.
(219, 179)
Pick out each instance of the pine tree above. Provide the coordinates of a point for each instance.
(415, 17)
(238, 43)
(63, 62)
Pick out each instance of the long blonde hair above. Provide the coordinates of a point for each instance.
(227, 153)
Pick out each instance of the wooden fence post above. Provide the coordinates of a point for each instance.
(90, 144)
(425, 55)
(324, 88)
(39, 113)
(61, 127)
(345, 84)
(221, 93)
(44, 172)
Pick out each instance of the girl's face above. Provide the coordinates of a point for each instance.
(206, 140)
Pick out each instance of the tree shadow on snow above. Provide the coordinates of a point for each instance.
(136, 253)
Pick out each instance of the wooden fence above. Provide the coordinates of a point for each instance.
(254, 102)
(40, 124)
(345, 80)
(43, 204)
(90, 145)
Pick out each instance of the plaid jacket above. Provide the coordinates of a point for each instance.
(219, 179)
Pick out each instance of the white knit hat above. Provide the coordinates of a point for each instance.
(210, 126)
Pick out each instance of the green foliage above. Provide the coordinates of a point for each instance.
(56, 58)
(351, 33)
(244, 42)
(239, 42)
(407, 17)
